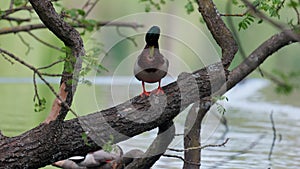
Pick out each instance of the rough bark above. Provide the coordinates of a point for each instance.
(192, 136)
(229, 47)
(72, 39)
(160, 144)
(218, 29)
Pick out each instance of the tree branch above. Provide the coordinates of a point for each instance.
(13, 10)
(27, 28)
(72, 40)
(218, 29)
(157, 148)
(260, 54)
(192, 132)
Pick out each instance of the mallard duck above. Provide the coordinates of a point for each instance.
(151, 66)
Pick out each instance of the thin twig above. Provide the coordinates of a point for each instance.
(280, 6)
(86, 4)
(91, 8)
(36, 93)
(11, 11)
(41, 77)
(50, 65)
(298, 15)
(238, 15)
(200, 147)
(55, 75)
(45, 43)
(181, 158)
(7, 59)
(272, 22)
(24, 28)
(179, 135)
(241, 152)
(129, 38)
(27, 28)
(241, 48)
(23, 41)
(11, 5)
(274, 136)
(18, 20)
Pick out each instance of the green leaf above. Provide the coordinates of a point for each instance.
(189, 7)
(147, 8)
(72, 13)
(85, 139)
(2, 13)
(247, 21)
(89, 24)
(19, 2)
(293, 4)
(108, 146)
(40, 105)
(284, 89)
(81, 12)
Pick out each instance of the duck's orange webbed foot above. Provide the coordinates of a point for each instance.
(145, 94)
(159, 91)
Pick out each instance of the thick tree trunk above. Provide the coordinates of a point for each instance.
(160, 144)
(192, 137)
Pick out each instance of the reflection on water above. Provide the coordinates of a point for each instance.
(247, 113)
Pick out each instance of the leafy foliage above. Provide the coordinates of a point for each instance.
(85, 139)
(189, 7)
(221, 109)
(246, 22)
(152, 4)
(40, 105)
(91, 60)
(108, 146)
(18, 3)
(287, 86)
(272, 7)
(293, 4)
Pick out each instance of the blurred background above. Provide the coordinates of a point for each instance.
(188, 45)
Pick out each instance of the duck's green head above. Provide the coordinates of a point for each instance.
(152, 36)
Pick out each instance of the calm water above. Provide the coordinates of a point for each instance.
(247, 112)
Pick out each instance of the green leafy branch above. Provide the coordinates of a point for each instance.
(272, 7)
(246, 22)
(152, 4)
(286, 86)
(220, 108)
